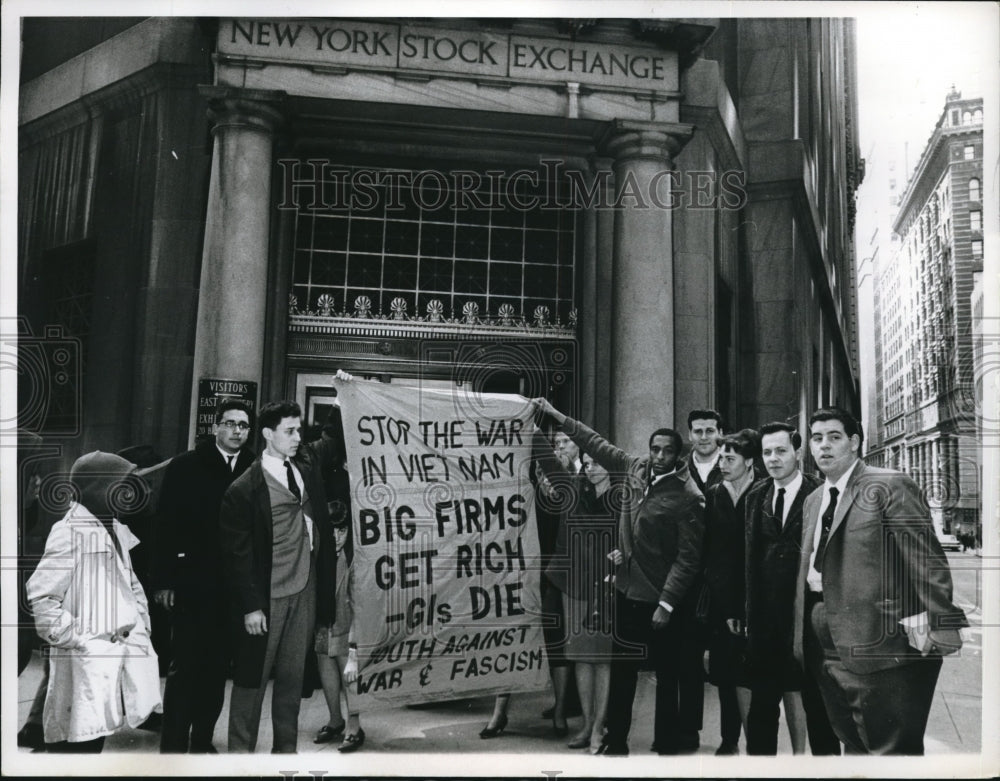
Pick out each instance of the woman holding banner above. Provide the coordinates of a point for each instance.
(591, 538)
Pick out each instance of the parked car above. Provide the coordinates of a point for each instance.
(949, 542)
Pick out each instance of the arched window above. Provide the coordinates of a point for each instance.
(967, 118)
(973, 189)
(977, 116)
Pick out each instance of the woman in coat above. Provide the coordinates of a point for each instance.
(89, 606)
(725, 510)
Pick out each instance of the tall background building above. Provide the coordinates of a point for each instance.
(923, 308)
(214, 207)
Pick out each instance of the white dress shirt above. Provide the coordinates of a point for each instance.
(226, 456)
(791, 491)
(276, 467)
(814, 578)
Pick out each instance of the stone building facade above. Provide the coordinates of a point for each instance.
(635, 217)
(927, 398)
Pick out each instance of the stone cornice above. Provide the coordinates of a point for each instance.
(248, 109)
(627, 140)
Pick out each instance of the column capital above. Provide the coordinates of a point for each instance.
(627, 139)
(248, 109)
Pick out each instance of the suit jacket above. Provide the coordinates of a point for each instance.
(187, 556)
(660, 532)
(882, 563)
(773, 551)
(245, 533)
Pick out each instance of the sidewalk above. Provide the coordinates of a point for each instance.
(453, 727)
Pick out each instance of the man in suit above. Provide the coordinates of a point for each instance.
(279, 561)
(873, 600)
(773, 546)
(660, 535)
(187, 579)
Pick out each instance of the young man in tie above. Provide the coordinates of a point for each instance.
(774, 539)
(279, 561)
(187, 578)
(873, 603)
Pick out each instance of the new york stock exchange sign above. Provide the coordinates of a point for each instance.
(364, 45)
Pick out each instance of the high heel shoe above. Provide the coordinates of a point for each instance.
(491, 732)
(327, 733)
(352, 742)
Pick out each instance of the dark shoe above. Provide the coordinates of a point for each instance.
(560, 731)
(352, 742)
(327, 733)
(488, 732)
(31, 736)
(613, 750)
(727, 749)
(153, 723)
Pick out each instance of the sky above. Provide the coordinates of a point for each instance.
(909, 55)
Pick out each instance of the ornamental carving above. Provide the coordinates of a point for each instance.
(398, 308)
(325, 305)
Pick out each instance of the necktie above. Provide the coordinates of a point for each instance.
(827, 521)
(779, 507)
(230, 460)
(293, 485)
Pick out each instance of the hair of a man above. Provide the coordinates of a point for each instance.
(705, 414)
(272, 413)
(773, 428)
(852, 427)
(668, 432)
(230, 404)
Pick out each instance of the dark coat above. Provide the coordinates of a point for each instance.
(772, 562)
(723, 553)
(714, 475)
(659, 533)
(245, 526)
(187, 556)
(586, 527)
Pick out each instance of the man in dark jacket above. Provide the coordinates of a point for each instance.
(773, 545)
(280, 566)
(187, 578)
(660, 536)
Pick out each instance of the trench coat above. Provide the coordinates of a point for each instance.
(84, 596)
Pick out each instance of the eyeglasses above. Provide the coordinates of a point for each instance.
(235, 425)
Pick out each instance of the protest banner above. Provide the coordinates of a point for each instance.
(446, 558)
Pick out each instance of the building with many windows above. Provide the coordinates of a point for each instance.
(635, 217)
(926, 402)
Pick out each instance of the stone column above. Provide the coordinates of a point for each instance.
(642, 298)
(232, 299)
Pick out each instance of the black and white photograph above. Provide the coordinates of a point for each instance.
(582, 389)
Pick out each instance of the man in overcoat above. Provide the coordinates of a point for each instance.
(188, 583)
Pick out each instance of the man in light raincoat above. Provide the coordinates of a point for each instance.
(89, 607)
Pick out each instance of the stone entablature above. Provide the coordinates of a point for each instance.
(616, 70)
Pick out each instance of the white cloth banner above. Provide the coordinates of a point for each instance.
(446, 561)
